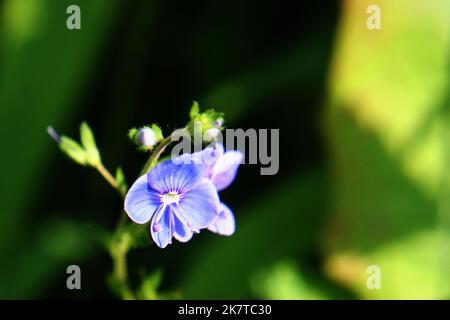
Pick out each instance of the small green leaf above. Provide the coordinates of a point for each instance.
(195, 110)
(72, 149)
(88, 142)
(158, 133)
(202, 122)
(132, 134)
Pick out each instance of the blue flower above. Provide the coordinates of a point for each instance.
(177, 197)
(221, 169)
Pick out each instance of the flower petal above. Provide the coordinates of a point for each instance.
(219, 149)
(175, 175)
(198, 207)
(225, 169)
(208, 157)
(225, 224)
(181, 231)
(141, 201)
(161, 227)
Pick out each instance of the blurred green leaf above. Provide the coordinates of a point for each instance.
(150, 284)
(394, 81)
(195, 110)
(73, 150)
(88, 142)
(44, 67)
(386, 131)
(285, 281)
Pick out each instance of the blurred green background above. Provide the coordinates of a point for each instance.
(364, 123)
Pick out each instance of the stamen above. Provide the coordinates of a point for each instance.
(171, 197)
(157, 227)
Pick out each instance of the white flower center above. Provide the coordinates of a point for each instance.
(170, 197)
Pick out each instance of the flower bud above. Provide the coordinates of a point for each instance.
(211, 134)
(218, 122)
(145, 137)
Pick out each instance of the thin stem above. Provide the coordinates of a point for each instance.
(119, 250)
(120, 244)
(153, 159)
(109, 178)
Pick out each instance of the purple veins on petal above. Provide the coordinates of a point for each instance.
(199, 206)
(141, 202)
(170, 176)
(182, 232)
(162, 228)
(176, 197)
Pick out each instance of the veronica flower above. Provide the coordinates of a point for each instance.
(221, 169)
(178, 199)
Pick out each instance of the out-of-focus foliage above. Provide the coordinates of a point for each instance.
(387, 127)
(285, 280)
(44, 67)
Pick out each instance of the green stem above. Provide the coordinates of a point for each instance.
(119, 250)
(153, 159)
(109, 178)
(122, 240)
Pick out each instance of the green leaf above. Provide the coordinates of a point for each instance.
(158, 133)
(195, 110)
(387, 118)
(88, 142)
(132, 134)
(73, 150)
(285, 280)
